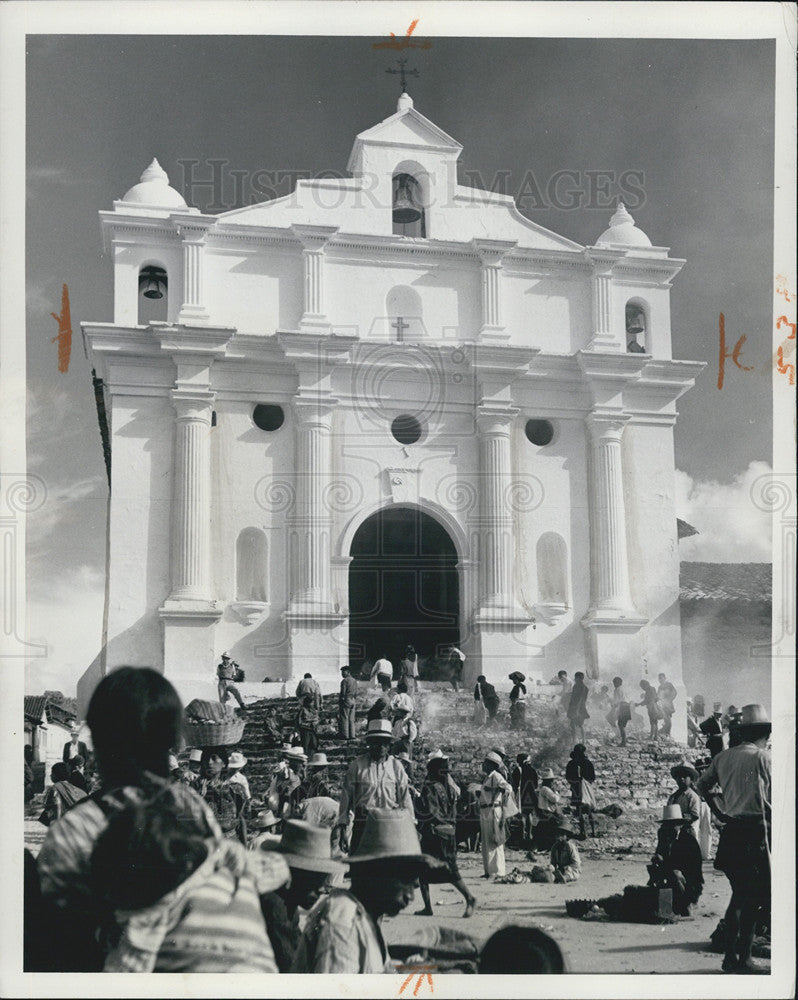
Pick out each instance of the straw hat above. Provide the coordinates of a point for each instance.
(237, 760)
(546, 773)
(306, 846)
(686, 769)
(318, 760)
(672, 814)
(564, 829)
(266, 819)
(295, 753)
(225, 656)
(195, 756)
(437, 755)
(379, 729)
(75, 729)
(390, 835)
(494, 758)
(717, 708)
(754, 715)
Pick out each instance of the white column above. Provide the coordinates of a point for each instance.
(193, 308)
(496, 521)
(605, 336)
(312, 522)
(314, 239)
(491, 253)
(191, 578)
(610, 557)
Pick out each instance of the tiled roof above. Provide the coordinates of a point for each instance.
(749, 582)
(34, 706)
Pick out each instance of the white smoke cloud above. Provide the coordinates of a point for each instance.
(731, 527)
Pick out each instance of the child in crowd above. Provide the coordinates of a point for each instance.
(173, 890)
(565, 858)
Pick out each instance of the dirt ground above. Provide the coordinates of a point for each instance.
(589, 946)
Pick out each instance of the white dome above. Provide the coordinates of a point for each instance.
(623, 231)
(154, 191)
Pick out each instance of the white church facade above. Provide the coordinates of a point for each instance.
(384, 410)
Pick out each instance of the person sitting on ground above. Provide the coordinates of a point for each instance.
(61, 796)
(265, 823)
(547, 812)
(686, 797)
(677, 863)
(171, 887)
(580, 770)
(564, 856)
(486, 694)
(76, 775)
(343, 933)
(517, 950)
(518, 700)
(272, 733)
(306, 848)
(437, 818)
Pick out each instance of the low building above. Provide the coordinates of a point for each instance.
(47, 729)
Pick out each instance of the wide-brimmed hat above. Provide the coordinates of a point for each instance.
(226, 656)
(672, 814)
(684, 769)
(545, 774)
(379, 729)
(75, 729)
(195, 756)
(492, 756)
(390, 835)
(717, 707)
(561, 828)
(500, 751)
(305, 846)
(754, 715)
(265, 819)
(318, 760)
(295, 753)
(237, 760)
(437, 755)
(516, 675)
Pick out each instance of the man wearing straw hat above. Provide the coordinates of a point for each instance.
(343, 932)
(677, 863)
(306, 848)
(226, 674)
(375, 780)
(744, 775)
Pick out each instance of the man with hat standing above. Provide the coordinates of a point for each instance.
(518, 700)
(306, 848)
(375, 780)
(495, 794)
(677, 863)
(743, 773)
(343, 932)
(347, 701)
(226, 674)
(437, 812)
(712, 728)
(285, 791)
(266, 823)
(75, 747)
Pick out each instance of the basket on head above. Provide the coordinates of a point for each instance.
(211, 724)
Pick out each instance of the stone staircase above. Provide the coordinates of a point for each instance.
(635, 777)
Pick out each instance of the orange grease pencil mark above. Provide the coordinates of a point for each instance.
(64, 335)
(405, 42)
(723, 353)
(421, 973)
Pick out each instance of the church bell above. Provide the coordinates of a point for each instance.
(405, 200)
(152, 282)
(635, 321)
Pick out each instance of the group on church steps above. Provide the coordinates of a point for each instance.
(158, 869)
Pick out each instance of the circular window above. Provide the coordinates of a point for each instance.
(268, 416)
(406, 429)
(539, 432)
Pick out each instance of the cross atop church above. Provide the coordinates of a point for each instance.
(403, 73)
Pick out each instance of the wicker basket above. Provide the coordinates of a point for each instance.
(214, 734)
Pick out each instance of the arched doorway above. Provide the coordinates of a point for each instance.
(403, 587)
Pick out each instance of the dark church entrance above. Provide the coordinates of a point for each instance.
(403, 587)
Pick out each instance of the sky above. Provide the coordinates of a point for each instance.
(692, 119)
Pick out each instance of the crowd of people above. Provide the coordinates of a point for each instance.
(157, 865)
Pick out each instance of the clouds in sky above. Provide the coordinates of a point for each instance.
(731, 527)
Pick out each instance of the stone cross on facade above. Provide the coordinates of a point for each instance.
(400, 326)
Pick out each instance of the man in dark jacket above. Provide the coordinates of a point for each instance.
(347, 700)
(75, 747)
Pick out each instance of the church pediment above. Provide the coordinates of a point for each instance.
(408, 128)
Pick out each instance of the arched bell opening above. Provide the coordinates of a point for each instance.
(153, 294)
(408, 212)
(637, 327)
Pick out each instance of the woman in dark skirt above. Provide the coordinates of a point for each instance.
(436, 814)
